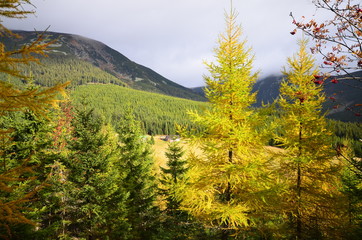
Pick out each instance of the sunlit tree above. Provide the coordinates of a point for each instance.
(224, 181)
(136, 163)
(12, 99)
(309, 163)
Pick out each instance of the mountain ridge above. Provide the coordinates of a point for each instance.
(100, 55)
(341, 103)
(342, 100)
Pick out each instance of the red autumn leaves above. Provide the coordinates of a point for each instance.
(337, 39)
(300, 96)
(318, 79)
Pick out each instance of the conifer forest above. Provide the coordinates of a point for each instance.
(77, 145)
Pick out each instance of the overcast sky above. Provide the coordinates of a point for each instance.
(174, 37)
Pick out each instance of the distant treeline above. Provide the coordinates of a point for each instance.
(350, 132)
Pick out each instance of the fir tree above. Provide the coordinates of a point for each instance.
(91, 177)
(136, 163)
(224, 182)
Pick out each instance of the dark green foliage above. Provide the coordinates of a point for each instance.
(177, 224)
(136, 163)
(175, 170)
(158, 113)
(24, 156)
(348, 144)
(353, 190)
(29, 136)
(90, 176)
(66, 68)
(351, 131)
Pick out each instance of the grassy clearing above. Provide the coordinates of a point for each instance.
(160, 147)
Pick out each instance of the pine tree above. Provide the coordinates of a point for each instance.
(224, 182)
(310, 170)
(136, 163)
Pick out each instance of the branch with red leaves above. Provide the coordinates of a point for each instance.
(338, 39)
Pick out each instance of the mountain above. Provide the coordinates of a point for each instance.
(343, 99)
(70, 49)
(199, 90)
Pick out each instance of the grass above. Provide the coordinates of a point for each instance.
(160, 147)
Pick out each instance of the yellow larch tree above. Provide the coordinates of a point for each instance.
(310, 202)
(39, 101)
(224, 183)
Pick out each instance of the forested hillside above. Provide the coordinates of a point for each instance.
(158, 113)
(62, 68)
(75, 163)
(67, 49)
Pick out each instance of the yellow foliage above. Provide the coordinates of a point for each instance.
(311, 172)
(39, 101)
(227, 177)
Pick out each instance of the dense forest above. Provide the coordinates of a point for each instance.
(61, 69)
(157, 113)
(74, 162)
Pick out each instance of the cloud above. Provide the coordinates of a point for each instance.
(174, 37)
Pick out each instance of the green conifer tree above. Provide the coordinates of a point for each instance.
(136, 163)
(224, 182)
(177, 224)
(27, 149)
(176, 169)
(92, 177)
(309, 164)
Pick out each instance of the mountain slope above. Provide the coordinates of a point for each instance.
(77, 48)
(342, 100)
(157, 113)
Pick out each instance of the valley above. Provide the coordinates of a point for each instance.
(96, 146)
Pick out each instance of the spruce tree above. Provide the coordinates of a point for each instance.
(309, 165)
(174, 171)
(26, 149)
(136, 162)
(91, 177)
(224, 181)
(177, 224)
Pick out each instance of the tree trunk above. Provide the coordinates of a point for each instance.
(299, 187)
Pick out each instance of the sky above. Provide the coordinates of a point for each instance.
(175, 37)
